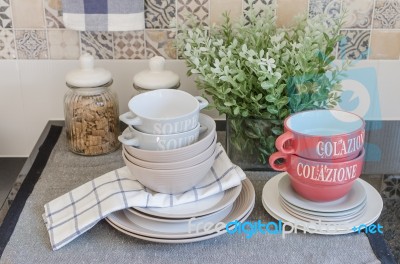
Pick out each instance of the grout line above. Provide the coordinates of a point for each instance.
(175, 29)
(145, 43)
(112, 44)
(370, 34)
(208, 13)
(80, 43)
(45, 30)
(358, 29)
(338, 43)
(14, 33)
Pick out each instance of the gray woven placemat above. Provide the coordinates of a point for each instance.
(103, 244)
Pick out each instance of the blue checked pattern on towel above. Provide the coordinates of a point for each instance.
(103, 15)
(73, 213)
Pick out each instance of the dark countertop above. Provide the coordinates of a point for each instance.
(387, 184)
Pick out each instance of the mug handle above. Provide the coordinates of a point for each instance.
(203, 129)
(129, 120)
(281, 142)
(203, 102)
(130, 142)
(274, 157)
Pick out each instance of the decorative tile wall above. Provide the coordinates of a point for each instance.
(5, 14)
(34, 29)
(7, 44)
(63, 44)
(328, 7)
(354, 45)
(359, 13)
(197, 8)
(31, 44)
(129, 45)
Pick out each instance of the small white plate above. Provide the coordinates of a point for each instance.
(351, 200)
(202, 207)
(325, 214)
(241, 207)
(316, 218)
(270, 199)
(310, 214)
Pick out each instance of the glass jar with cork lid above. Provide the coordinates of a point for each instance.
(91, 110)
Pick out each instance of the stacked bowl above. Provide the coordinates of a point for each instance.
(322, 151)
(168, 145)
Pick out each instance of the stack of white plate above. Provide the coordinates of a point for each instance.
(359, 208)
(200, 220)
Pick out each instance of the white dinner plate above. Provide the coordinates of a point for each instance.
(175, 241)
(177, 227)
(165, 220)
(243, 204)
(351, 200)
(202, 207)
(270, 199)
(326, 214)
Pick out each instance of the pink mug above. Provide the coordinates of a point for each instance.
(323, 135)
(318, 172)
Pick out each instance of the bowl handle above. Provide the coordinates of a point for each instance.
(203, 129)
(130, 142)
(203, 102)
(282, 143)
(129, 120)
(274, 157)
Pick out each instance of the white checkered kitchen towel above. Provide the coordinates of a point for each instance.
(73, 213)
(103, 15)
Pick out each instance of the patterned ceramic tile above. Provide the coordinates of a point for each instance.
(218, 7)
(63, 44)
(256, 5)
(385, 44)
(28, 14)
(359, 13)
(53, 16)
(31, 44)
(5, 14)
(329, 7)
(54, 4)
(129, 45)
(158, 14)
(387, 14)
(7, 44)
(189, 8)
(287, 10)
(160, 42)
(355, 45)
(98, 44)
(391, 187)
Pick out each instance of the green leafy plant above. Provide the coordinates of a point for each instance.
(256, 71)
